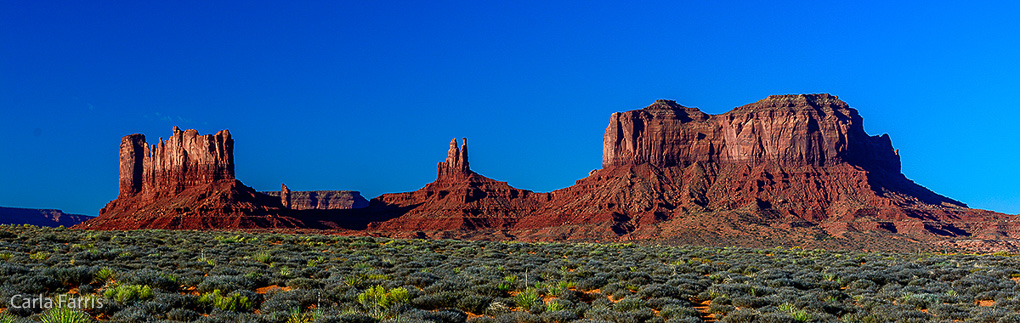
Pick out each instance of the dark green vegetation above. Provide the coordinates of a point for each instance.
(157, 276)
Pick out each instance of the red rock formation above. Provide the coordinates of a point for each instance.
(319, 200)
(284, 196)
(184, 160)
(801, 160)
(789, 168)
(788, 130)
(456, 164)
(459, 199)
(185, 182)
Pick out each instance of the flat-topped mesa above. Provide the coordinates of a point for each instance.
(789, 130)
(456, 164)
(185, 159)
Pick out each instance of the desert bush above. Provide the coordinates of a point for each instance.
(377, 300)
(128, 293)
(236, 301)
(225, 284)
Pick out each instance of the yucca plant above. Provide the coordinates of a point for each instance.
(62, 315)
(526, 299)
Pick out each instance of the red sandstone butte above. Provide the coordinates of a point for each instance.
(788, 161)
(459, 199)
(185, 182)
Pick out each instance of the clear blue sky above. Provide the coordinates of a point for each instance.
(366, 95)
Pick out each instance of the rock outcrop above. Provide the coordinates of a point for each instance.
(185, 182)
(186, 159)
(285, 196)
(319, 200)
(786, 130)
(459, 199)
(789, 161)
(787, 169)
(39, 217)
(456, 165)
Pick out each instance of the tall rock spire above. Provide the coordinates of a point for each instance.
(285, 196)
(456, 164)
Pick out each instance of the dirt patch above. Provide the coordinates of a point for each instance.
(702, 307)
(984, 302)
(263, 290)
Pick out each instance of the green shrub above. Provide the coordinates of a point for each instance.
(377, 299)
(526, 299)
(234, 302)
(103, 275)
(128, 293)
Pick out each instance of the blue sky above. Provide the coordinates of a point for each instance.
(365, 95)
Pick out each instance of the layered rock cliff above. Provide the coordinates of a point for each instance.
(185, 159)
(786, 130)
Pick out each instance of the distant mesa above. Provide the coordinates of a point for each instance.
(788, 169)
(39, 217)
(318, 200)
